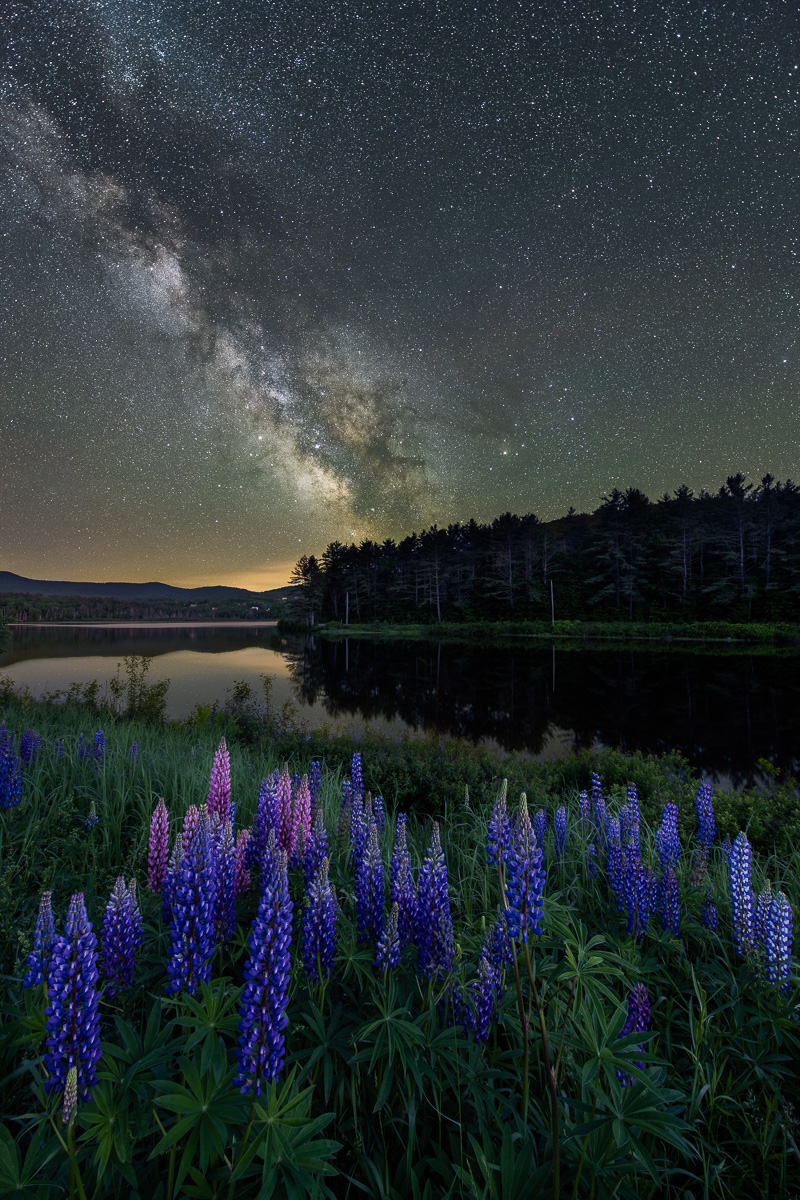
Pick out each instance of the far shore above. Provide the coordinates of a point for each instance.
(167, 622)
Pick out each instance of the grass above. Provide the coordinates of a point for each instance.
(383, 1093)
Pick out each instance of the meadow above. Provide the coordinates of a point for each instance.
(276, 983)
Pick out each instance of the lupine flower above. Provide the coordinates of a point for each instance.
(192, 925)
(225, 897)
(387, 951)
(560, 831)
(10, 777)
(401, 886)
(29, 746)
(92, 818)
(369, 888)
(540, 826)
(315, 783)
(219, 784)
(43, 936)
(640, 895)
(498, 830)
(708, 912)
(119, 939)
(483, 999)
(667, 840)
(778, 941)
(741, 893)
(707, 828)
(84, 751)
(615, 863)
(598, 814)
(497, 946)
(343, 826)
(267, 817)
(242, 873)
(134, 753)
(136, 915)
(591, 860)
(630, 821)
(638, 1021)
(73, 1022)
(58, 749)
(526, 877)
(760, 916)
(583, 807)
(379, 813)
(287, 834)
(301, 816)
(318, 927)
(316, 847)
(190, 821)
(158, 847)
(356, 776)
(262, 1015)
(168, 882)
(99, 747)
(670, 903)
(727, 846)
(70, 1096)
(434, 924)
(359, 830)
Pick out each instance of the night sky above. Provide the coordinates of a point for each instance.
(273, 274)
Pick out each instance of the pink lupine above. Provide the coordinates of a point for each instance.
(301, 816)
(219, 785)
(242, 873)
(158, 847)
(190, 824)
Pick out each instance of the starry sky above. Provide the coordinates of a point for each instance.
(277, 273)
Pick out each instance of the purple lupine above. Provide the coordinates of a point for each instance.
(73, 1021)
(667, 839)
(29, 746)
(387, 951)
(318, 927)
(242, 873)
(434, 923)
(670, 903)
(741, 893)
(119, 940)
(225, 897)
(707, 828)
(10, 776)
(316, 847)
(99, 747)
(760, 915)
(301, 816)
(192, 924)
(356, 776)
(190, 822)
(369, 889)
(526, 877)
(637, 1021)
(158, 847)
(92, 818)
(498, 829)
(483, 993)
(708, 912)
(219, 784)
(133, 753)
(267, 817)
(136, 915)
(287, 835)
(583, 807)
(262, 1014)
(560, 831)
(43, 937)
(315, 783)
(540, 826)
(778, 941)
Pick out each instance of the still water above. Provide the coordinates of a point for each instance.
(723, 709)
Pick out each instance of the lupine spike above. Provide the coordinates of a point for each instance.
(670, 903)
(540, 825)
(560, 831)
(483, 995)
(369, 887)
(43, 937)
(318, 927)
(99, 747)
(707, 828)
(741, 893)
(158, 847)
(498, 830)
(667, 839)
(434, 924)
(526, 877)
(119, 939)
(192, 926)
(778, 941)
(243, 882)
(73, 1021)
(761, 914)
(219, 784)
(638, 1021)
(387, 951)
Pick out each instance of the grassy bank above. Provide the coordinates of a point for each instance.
(397, 1083)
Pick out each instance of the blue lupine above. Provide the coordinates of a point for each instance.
(317, 847)
(498, 829)
(560, 831)
(741, 893)
(707, 828)
(401, 885)
(598, 814)
(540, 826)
(192, 925)
(637, 1021)
(497, 946)
(760, 915)
(119, 939)
(727, 847)
(526, 877)
(356, 776)
(434, 924)
(667, 839)
(134, 753)
(630, 822)
(43, 936)
(387, 951)
(708, 912)
(379, 812)
(583, 807)
(483, 999)
(615, 862)
(92, 818)
(591, 860)
(225, 897)
(318, 927)
(99, 747)
(267, 817)
(73, 1021)
(778, 941)
(670, 903)
(315, 782)
(10, 776)
(262, 1014)
(170, 876)
(369, 889)
(29, 746)
(84, 750)
(640, 894)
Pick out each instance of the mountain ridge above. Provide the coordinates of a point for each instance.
(10, 583)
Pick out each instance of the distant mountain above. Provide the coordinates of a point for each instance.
(11, 583)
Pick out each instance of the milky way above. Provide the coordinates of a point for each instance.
(276, 273)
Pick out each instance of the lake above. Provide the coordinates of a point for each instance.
(723, 708)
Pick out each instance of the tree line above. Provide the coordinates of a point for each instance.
(733, 554)
(22, 606)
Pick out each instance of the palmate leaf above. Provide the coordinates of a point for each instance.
(30, 1177)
